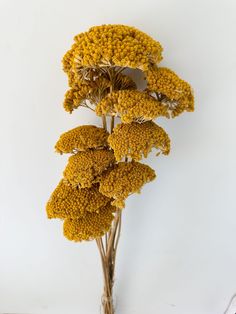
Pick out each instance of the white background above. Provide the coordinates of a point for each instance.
(177, 253)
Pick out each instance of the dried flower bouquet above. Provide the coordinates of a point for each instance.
(104, 167)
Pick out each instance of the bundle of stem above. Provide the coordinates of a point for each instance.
(108, 244)
(107, 247)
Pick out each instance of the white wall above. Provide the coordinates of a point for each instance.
(177, 253)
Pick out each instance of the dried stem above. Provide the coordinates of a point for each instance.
(112, 123)
(108, 244)
(104, 122)
(108, 259)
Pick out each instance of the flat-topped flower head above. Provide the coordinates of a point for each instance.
(125, 179)
(67, 201)
(75, 97)
(136, 140)
(112, 45)
(174, 93)
(94, 89)
(82, 138)
(131, 105)
(85, 168)
(90, 226)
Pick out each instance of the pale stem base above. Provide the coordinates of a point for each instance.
(107, 248)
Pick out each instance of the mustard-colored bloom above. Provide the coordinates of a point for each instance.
(125, 179)
(67, 201)
(131, 105)
(137, 139)
(85, 168)
(67, 60)
(96, 181)
(112, 45)
(82, 138)
(90, 226)
(121, 81)
(102, 80)
(91, 89)
(175, 94)
(94, 90)
(74, 98)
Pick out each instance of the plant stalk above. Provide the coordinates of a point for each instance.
(108, 258)
(108, 244)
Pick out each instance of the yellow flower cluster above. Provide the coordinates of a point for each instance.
(85, 168)
(137, 139)
(67, 201)
(96, 181)
(122, 81)
(82, 138)
(175, 93)
(131, 105)
(91, 226)
(112, 45)
(77, 198)
(93, 90)
(67, 60)
(74, 98)
(124, 179)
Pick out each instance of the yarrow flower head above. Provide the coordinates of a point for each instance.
(83, 90)
(75, 97)
(85, 168)
(131, 105)
(82, 138)
(136, 140)
(67, 201)
(94, 89)
(90, 226)
(174, 93)
(125, 179)
(112, 45)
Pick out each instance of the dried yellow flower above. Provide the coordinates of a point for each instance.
(67, 201)
(96, 181)
(131, 105)
(90, 226)
(112, 45)
(93, 90)
(67, 60)
(136, 140)
(84, 168)
(121, 81)
(82, 138)
(125, 179)
(75, 97)
(175, 94)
